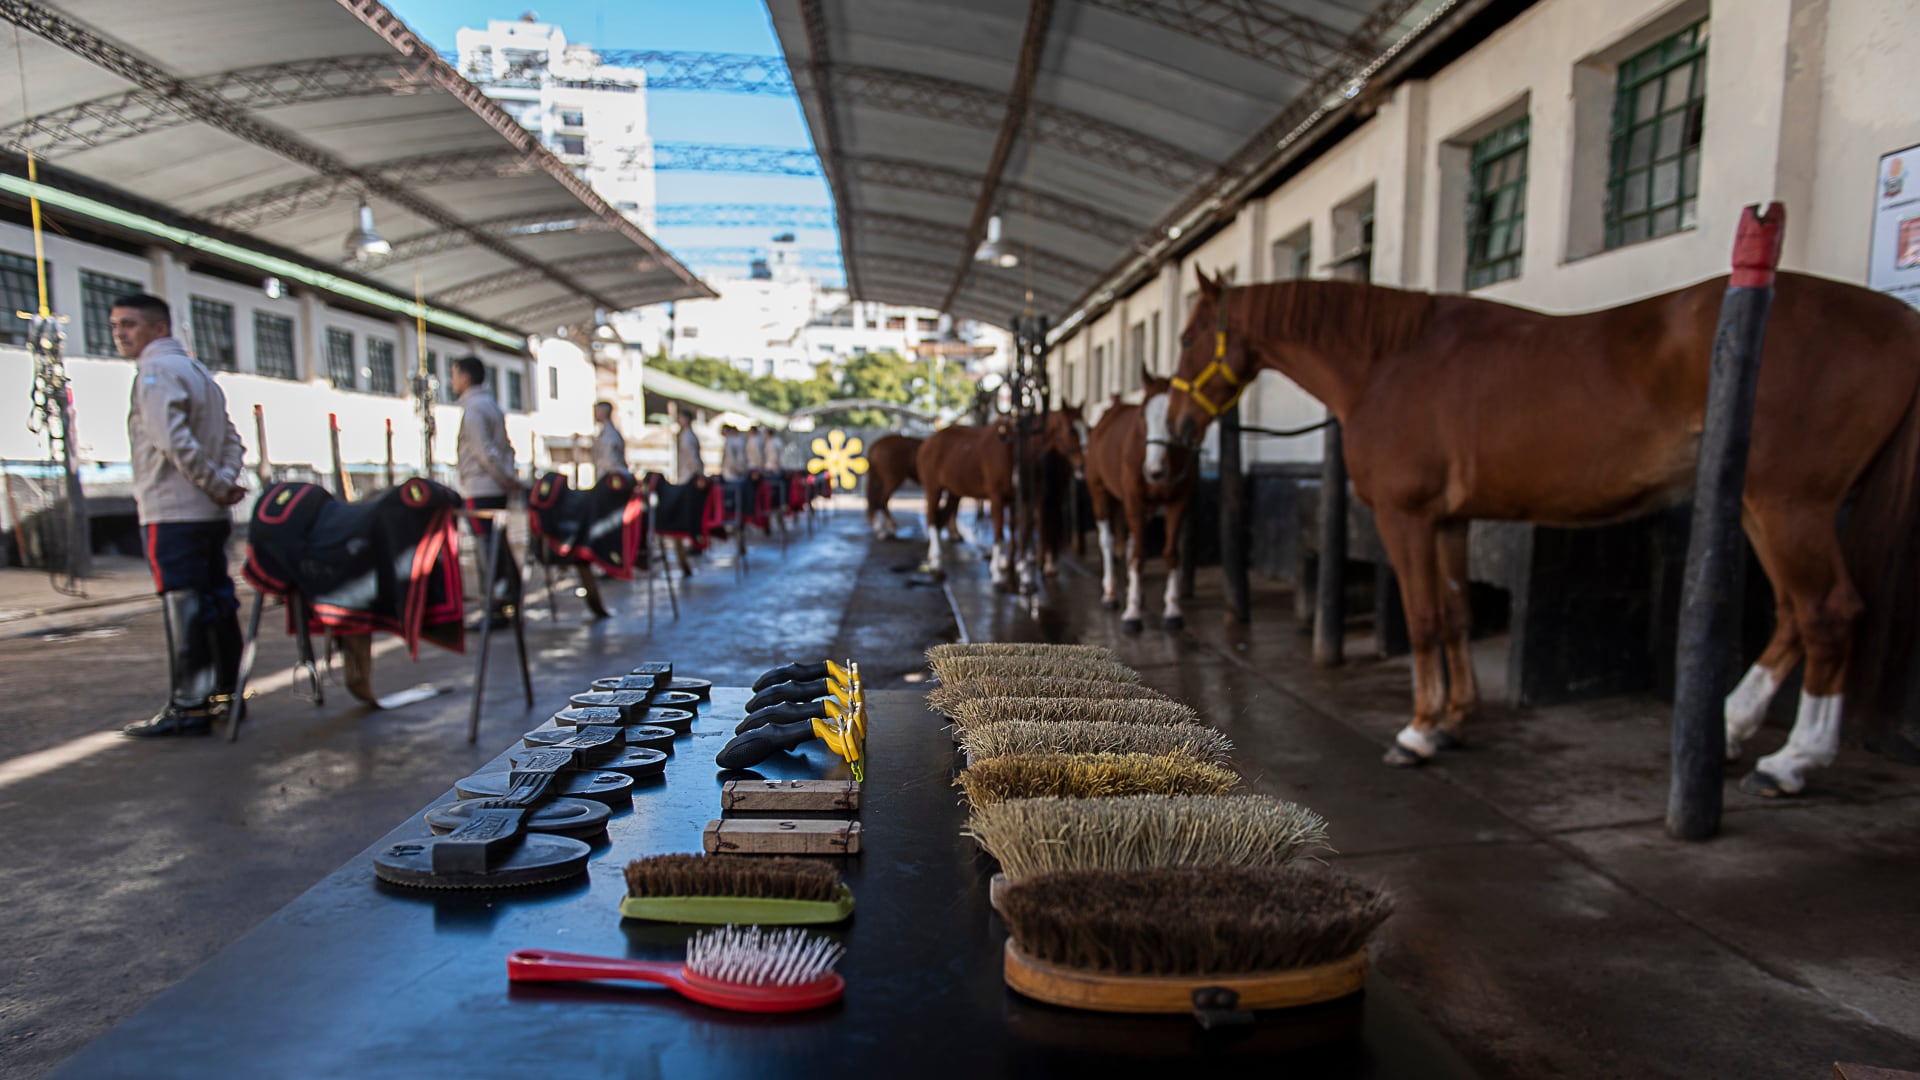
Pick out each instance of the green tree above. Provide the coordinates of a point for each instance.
(929, 386)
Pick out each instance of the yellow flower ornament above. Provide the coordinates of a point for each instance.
(840, 457)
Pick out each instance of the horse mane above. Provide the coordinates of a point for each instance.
(1334, 317)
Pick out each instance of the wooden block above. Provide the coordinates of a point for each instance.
(790, 795)
(740, 836)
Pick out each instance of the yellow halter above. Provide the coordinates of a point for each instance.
(1217, 368)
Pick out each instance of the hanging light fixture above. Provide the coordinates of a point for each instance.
(992, 250)
(363, 242)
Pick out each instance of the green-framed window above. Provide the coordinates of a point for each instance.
(1497, 205)
(380, 376)
(1659, 113)
(273, 352)
(97, 294)
(19, 291)
(213, 334)
(342, 372)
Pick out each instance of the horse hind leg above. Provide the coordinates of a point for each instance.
(1804, 557)
(934, 523)
(1746, 706)
(1456, 628)
(1136, 556)
(1171, 617)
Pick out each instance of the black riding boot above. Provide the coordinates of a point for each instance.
(224, 636)
(191, 667)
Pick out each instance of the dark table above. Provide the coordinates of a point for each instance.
(360, 979)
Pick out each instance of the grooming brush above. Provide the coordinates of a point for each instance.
(659, 669)
(581, 819)
(965, 669)
(945, 698)
(631, 703)
(985, 741)
(1145, 941)
(699, 688)
(649, 736)
(982, 712)
(739, 889)
(1021, 648)
(743, 968)
(1029, 837)
(626, 682)
(1091, 776)
(491, 849)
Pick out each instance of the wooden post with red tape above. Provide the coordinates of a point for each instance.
(1716, 549)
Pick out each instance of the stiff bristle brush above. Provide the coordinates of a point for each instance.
(1092, 776)
(1021, 648)
(743, 968)
(1029, 837)
(1094, 737)
(981, 712)
(719, 889)
(962, 669)
(945, 698)
(1145, 940)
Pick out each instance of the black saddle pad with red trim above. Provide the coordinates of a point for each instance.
(389, 562)
(604, 525)
(689, 511)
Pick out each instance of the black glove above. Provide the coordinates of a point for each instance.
(798, 671)
(756, 746)
(784, 713)
(788, 691)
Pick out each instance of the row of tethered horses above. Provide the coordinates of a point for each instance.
(1454, 408)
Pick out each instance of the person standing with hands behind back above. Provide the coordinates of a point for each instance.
(486, 475)
(187, 461)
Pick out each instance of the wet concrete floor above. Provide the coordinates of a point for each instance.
(1546, 922)
(130, 863)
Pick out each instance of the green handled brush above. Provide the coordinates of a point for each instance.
(739, 889)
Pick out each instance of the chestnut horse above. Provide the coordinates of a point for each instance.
(1455, 408)
(965, 461)
(891, 461)
(1133, 466)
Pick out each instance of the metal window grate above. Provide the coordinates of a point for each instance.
(19, 291)
(340, 365)
(1497, 205)
(380, 378)
(97, 294)
(213, 334)
(1659, 113)
(273, 346)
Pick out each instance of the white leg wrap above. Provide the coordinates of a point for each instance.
(1423, 743)
(933, 545)
(1815, 742)
(1106, 562)
(1133, 594)
(1747, 706)
(998, 563)
(1173, 592)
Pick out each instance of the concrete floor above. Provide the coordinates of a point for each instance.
(1545, 921)
(128, 864)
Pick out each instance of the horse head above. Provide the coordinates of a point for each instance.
(1167, 459)
(1067, 435)
(1213, 367)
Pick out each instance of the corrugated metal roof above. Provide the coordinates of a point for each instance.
(274, 118)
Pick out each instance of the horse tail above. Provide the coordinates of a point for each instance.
(1881, 541)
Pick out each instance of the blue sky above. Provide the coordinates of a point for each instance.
(739, 26)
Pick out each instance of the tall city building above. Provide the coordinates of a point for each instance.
(592, 114)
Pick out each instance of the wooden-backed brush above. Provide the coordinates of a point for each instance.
(1092, 776)
(954, 671)
(719, 889)
(1021, 648)
(945, 698)
(1030, 837)
(1145, 940)
(1135, 712)
(984, 741)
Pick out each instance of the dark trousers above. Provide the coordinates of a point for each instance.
(506, 571)
(193, 555)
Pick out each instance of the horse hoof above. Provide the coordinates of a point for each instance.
(1760, 785)
(1132, 626)
(1447, 740)
(1174, 622)
(1402, 758)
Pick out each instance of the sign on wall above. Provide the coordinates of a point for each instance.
(1894, 259)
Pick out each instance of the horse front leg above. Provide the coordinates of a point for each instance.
(933, 529)
(1103, 523)
(1456, 612)
(1136, 557)
(998, 562)
(1172, 618)
(1411, 547)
